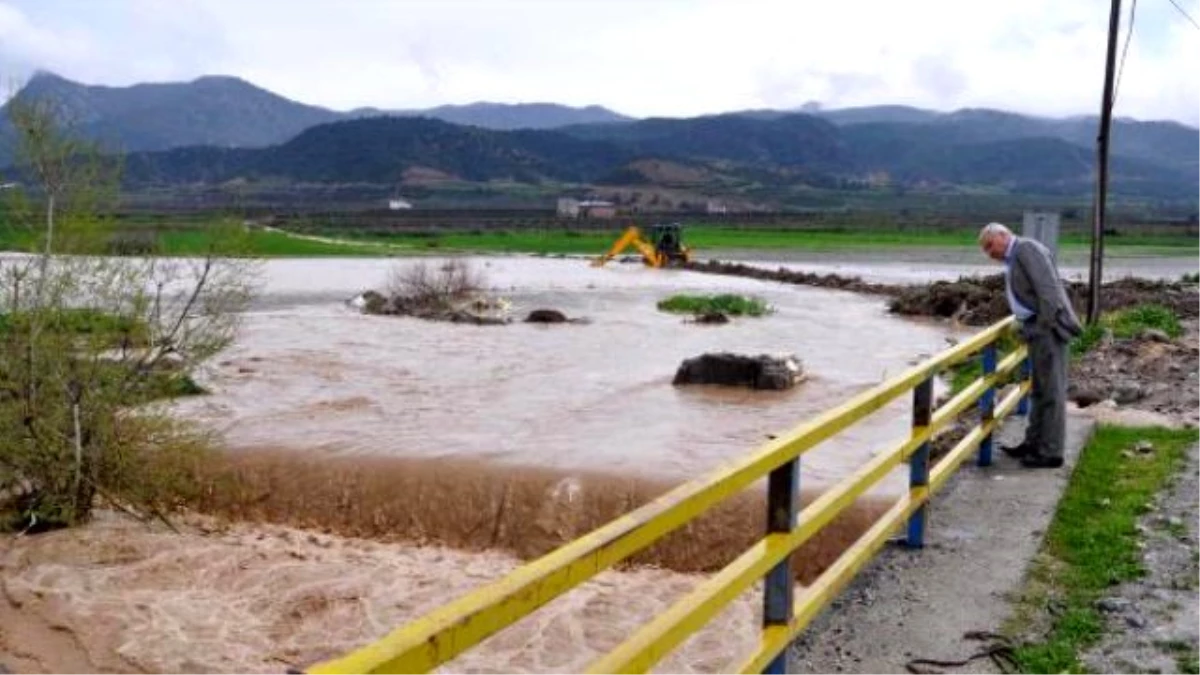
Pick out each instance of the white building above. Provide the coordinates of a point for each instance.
(568, 208)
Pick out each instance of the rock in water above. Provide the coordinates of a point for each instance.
(546, 316)
(756, 372)
(369, 302)
(711, 318)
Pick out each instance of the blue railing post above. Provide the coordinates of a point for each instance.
(987, 404)
(918, 464)
(1026, 371)
(783, 494)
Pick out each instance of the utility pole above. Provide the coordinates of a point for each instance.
(1096, 268)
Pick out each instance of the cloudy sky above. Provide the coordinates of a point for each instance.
(651, 57)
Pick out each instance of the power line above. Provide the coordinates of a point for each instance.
(1185, 14)
(1125, 51)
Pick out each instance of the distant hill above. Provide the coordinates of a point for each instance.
(229, 112)
(1168, 143)
(216, 111)
(726, 150)
(381, 150)
(508, 115)
(878, 113)
(788, 140)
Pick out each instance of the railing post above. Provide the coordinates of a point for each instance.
(783, 493)
(987, 404)
(918, 464)
(1026, 371)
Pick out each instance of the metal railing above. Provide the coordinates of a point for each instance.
(451, 629)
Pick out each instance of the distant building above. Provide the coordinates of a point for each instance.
(596, 208)
(588, 208)
(397, 204)
(568, 208)
(714, 206)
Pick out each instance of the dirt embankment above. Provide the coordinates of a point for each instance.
(974, 301)
(788, 276)
(1148, 372)
(979, 301)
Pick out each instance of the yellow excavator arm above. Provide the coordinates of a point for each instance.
(632, 237)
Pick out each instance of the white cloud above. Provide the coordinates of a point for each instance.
(666, 57)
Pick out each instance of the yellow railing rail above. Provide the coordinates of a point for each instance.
(449, 630)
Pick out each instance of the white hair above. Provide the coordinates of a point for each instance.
(993, 229)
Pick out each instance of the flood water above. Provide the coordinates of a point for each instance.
(310, 374)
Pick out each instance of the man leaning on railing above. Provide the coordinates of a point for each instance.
(1039, 300)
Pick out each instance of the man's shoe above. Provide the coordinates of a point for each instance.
(1041, 462)
(1018, 451)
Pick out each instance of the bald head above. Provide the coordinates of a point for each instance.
(993, 239)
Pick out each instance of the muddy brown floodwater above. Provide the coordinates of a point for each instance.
(312, 375)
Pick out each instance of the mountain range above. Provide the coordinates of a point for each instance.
(230, 112)
(216, 129)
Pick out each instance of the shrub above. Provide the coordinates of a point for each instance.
(422, 285)
(733, 305)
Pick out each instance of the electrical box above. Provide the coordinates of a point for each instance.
(1042, 226)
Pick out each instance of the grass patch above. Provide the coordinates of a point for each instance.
(1131, 322)
(732, 305)
(1092, 543)
(1090, 337)
(1127, 323)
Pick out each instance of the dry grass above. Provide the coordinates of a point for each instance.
(476, 506)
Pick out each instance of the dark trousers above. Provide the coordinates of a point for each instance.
(1048, 399)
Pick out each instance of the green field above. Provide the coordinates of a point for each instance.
(709, 238)
(192, 241)
(269, 244)
(256, 243)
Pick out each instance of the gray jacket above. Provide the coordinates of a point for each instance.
(1036, 284)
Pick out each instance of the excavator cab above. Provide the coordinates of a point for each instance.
(668, 241)
(664, 247)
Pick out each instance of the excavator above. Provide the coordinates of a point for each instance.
(664, 248)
